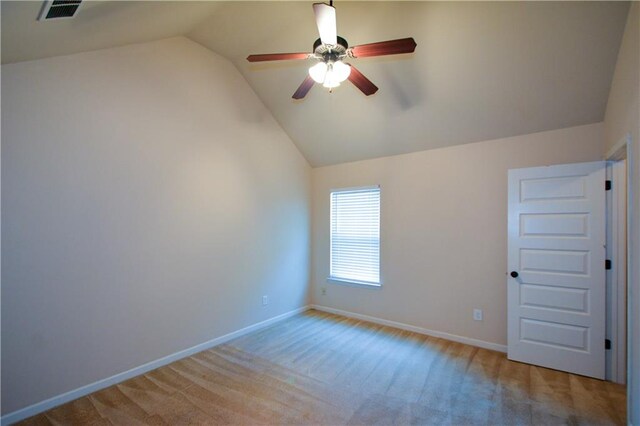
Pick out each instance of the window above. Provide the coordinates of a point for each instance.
(355, 236)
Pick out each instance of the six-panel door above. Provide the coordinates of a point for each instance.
(556, 304)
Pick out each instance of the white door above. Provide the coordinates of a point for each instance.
(556, 260)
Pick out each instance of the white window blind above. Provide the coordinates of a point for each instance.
(355, 235)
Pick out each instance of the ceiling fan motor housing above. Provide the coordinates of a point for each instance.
(330, 53)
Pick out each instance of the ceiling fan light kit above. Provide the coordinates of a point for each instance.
(330, 74)
(330, 50)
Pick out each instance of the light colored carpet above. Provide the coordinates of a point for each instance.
(324, 369)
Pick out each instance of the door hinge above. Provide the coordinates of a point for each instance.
(607, 264)
(607, 344)
(607, 185)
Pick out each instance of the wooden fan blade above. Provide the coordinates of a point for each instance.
(276, 57)
(391, 47)
(361, 82)
(326, 22)
(304, 88)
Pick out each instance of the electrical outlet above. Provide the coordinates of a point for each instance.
(477, 314)
(323, 291)
(265, 300)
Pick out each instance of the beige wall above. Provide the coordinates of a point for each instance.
(149, 200)
(443, 229)
(623, 117)
(622, 113)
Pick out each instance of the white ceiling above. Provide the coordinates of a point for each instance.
(481, 70)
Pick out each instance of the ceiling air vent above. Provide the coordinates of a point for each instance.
(58, 9)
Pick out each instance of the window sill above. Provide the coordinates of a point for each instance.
(353, 283)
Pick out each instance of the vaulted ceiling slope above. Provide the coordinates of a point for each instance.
(97, 25)
(482, 70)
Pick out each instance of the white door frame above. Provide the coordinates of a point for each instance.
(618, 251)
(616, 277)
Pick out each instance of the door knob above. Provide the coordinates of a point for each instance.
(514, 274)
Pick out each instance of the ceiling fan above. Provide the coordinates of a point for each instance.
(330, 50)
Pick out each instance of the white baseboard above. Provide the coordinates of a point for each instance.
(433, 333)
(47, 404)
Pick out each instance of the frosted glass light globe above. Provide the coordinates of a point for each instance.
(341, 71)
(330, 80)
(318, 72)
(330, 83)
